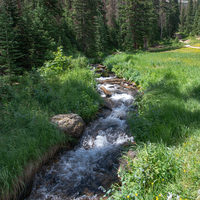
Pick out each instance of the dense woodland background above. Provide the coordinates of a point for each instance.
(30, 30)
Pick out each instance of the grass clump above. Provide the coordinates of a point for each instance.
(165, 125)
(62, 86)
(150, 175)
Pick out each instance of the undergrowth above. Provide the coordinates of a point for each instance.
(63, 85)
(165, 125)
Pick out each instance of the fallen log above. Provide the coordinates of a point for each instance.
(100, 66)
(106, 92)
(114, 82)
(133, 84)
(128, 87)
(111, 80)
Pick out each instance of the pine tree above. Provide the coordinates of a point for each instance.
(196, 27)
(172, 18)
(101, 33)
(151, 24)
(85, 23)
(33, 40)
(8, 44)
(112, 9)
(162, 11)
(183, 19)
(198, 3)
(134, 14)
(189, 16)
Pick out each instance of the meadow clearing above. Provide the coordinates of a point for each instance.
(165, 125)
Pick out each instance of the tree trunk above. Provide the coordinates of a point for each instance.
(135, 45)
(145, 43)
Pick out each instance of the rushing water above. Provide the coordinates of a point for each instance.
(91, 166)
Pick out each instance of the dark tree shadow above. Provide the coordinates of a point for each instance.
(170, 118)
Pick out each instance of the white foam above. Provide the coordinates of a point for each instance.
(101, 141)
(122, 139)
(104, 78)
(122, 97)
(110, 87)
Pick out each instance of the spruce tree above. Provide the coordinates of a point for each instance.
(85, 23)
(196, 27)
(101, 34)
(8, 44)
(134, 14)
(172, 18)
(33, 40)
(162, 12)
(189, 17)
(151, 24)
(182, 19)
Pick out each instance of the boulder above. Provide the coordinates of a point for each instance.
(70, 124)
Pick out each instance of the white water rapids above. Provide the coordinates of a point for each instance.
(92, 165)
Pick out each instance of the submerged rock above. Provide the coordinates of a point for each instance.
(71, 124)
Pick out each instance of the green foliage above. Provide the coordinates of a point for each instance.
(189, 17)
(176, 40)
(172, 18)
(26, 107)
(61, 63)
(196, 29)
(86, 14)
(8, 44)
(58, 65)
(182, 19)
(150, 175)
(167, 115)
(34, 41)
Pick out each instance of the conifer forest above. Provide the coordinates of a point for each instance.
(99, 99)
(30, 29)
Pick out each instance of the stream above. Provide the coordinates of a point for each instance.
(91, 167)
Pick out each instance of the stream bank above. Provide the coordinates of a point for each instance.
(91, 167)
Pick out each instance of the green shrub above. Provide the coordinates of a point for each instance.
(56, 66)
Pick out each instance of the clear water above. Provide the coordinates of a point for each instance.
(91, 167)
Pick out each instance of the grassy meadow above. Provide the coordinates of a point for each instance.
(165, 124)
(63, 85)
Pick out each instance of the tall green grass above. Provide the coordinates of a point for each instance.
(26, 107)
(165, 125)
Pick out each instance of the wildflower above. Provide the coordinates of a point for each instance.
(163, 179)
(184, 171)
(151, 183)
(156, 198)
(159, 195)
(128, 196)
(169, 197)
(136, 194)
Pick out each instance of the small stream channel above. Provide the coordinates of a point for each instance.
(92, 165)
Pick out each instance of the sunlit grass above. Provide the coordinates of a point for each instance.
(165, 125)
(25, 110)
